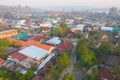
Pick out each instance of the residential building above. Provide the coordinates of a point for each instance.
(8, 33)
(54, 41)
(65, 46)
(1, 61)
(105, 74)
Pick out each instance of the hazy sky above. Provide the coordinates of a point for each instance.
(46, 3)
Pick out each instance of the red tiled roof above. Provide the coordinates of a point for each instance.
(1, 60)
(69, 34)
(38, 21)
(37, 38)
(105, 73)
(18, 56)
(27, 22)
(65, 46)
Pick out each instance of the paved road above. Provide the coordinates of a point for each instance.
(72, 69)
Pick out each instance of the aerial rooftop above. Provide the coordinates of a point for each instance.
(34, 52)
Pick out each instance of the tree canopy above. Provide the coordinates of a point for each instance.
(28, 76)
(116, 73)
(63, 61)
(68, 77)
(61, 30)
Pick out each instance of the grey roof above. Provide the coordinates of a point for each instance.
(34, 52)
(54, 41)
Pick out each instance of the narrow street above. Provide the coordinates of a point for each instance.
(72, 69)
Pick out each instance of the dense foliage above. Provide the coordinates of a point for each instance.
(63, 61)
(116, 73)
(61, 30)
(68, 77)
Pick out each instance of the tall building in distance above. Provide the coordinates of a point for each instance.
(113, 12)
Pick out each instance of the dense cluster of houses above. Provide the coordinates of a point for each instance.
(32, 52)
(108, 63)
(44, 25)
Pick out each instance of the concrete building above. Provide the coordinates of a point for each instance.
(8, 33)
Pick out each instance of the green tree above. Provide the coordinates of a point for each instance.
(58, 31)
(81, 48)
(27, 76)
(88, 59)
(104, 48)
(116, 73)
(94, 74)
(118, 49)
(63, 25)
(53, 74)
(4, 44)
(63, 61)
(84, 49)
(61, 30)
(68, 77)
(6, 74)
(76, 33)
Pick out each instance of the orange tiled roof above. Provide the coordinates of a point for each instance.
(31, 42)
(43, 46)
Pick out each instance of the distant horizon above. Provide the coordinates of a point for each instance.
(62, 3)
(91, 7)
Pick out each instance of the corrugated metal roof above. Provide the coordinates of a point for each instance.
(54, 41)
(34, 52)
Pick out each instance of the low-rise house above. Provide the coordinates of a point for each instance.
(54, 41)
(69, 21)
(21, 59)
(21, 22)
(8, 33)
(27, 22)
(72, 30)
(34, 27)
(21, 36)
(80, 27)
(44, 30)
(65, 46)
(10, 50)
(105, 74)
(46, 24)
(43, 46)
(31, 55)
(27, 38)
(34, 52)
(38, 38)
(110, 60)
(69, 35)
(1, 61)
